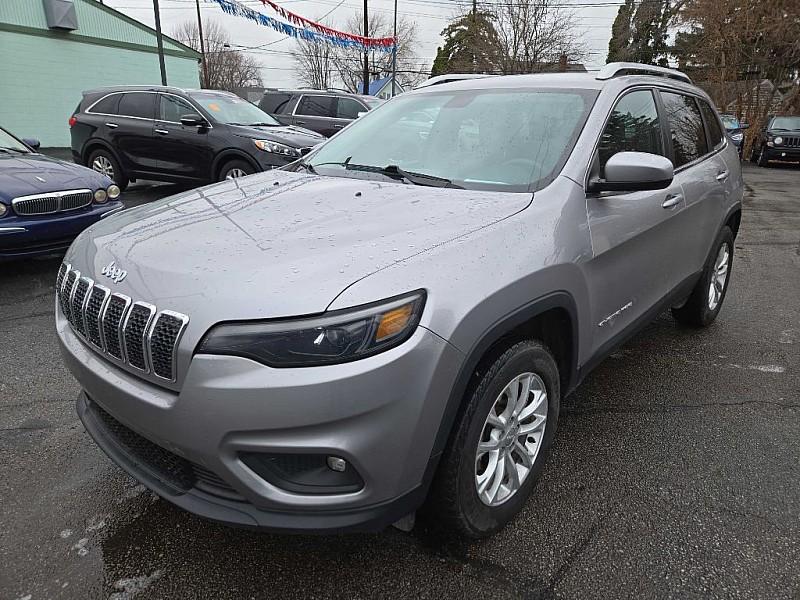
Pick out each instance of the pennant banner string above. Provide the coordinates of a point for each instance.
(310, 31)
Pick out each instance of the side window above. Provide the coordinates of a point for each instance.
(172, 108)
(317, 106)
(712, 123)
(632, 127)
(348, 108)
(137, 104)
(274, 102)
(108, 105)
(685, 126)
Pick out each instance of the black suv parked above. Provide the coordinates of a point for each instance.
(324, 111)
(779, 140)
(170, 134)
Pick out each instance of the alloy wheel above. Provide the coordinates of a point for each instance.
(235, 174)
(101, 164)
(718, 277)
(511, 438)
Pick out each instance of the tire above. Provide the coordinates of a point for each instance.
(762, 160)
(104, 162)
(699, 310)
(234, 169)
(454, 502)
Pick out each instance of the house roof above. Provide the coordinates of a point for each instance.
(376, 86)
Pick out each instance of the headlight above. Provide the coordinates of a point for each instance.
(114, 192)
(335, 337)
(100, 196)
(3, 209)
(737, 137)
(276, 148)
(778, 140)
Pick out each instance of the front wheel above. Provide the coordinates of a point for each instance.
(235, 169)
(705, 301)
(500, 443)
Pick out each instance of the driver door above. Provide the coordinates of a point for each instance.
(182, 152)
(633, 234)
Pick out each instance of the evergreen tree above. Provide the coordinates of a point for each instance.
(470, 46)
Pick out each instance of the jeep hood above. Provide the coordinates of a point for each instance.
(276, 244)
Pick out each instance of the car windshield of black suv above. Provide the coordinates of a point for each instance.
(787, 123)
(505, 140)
(10, 144)
(233, 110)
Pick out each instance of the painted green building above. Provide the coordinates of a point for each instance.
(52, 50)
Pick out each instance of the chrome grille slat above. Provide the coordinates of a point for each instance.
(133, 333)
(94, 308)
(51, 202)
(79, 296)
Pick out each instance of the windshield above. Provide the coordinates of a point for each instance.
(506, 140)
(9, 142)
(233, 110)
(730, 122)
(785, 123)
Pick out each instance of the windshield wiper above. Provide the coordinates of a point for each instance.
(410, 176)
(262, 124)
(12, 149)
(308, 167)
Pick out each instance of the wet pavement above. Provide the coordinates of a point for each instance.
(675, 470)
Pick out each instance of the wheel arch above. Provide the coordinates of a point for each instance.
(734, 219)
(551, 319)
(98, 144)
(228, 155)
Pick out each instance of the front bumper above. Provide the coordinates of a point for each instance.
(782, 153)
(381, 414)
(48, 234)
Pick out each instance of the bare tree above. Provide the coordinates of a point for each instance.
(533, 35)
(227, 68)
(349, 63)
(315, 64)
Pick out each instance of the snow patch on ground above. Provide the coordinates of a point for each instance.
(767, 368)
(131, 586)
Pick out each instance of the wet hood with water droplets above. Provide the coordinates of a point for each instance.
(276, 244)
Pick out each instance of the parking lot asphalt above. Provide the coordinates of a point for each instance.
(675, 471)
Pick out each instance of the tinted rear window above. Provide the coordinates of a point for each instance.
(137, 104)
(108, 105)
(317, 106)
(274, 102)
(349, 108)
(712, 123)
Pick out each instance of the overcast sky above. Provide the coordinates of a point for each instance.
(431, 16)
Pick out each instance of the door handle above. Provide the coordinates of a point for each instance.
(338, 126)
(162, 131)
(672, 200)
(722, 175)
(299, 122)
(112, 125)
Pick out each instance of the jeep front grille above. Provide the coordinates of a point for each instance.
(52, 202)
(133, 333)
(791, 142)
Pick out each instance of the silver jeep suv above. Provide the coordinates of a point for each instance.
(390, 324)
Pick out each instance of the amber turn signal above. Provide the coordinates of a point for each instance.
(393, 322)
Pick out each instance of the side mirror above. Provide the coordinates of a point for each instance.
(193, 120)
(361, 114)
(32, 142)
(633, 172)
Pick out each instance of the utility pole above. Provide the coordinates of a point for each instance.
(394, 51)
(366, 52)
(202, 45)
(160, 44)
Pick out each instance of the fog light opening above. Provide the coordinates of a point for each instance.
(337, 464)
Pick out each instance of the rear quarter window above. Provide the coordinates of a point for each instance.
(712, 123)
(275, 102)
(685, 126)
(108, 105)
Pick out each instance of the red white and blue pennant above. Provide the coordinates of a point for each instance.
(308, 30)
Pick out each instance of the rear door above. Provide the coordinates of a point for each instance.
(131, 132)
(181, 151)
(347, 111)
(317, 112)
(696, 172)
(634, 234)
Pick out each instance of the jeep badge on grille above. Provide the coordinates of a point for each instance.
(113, 272)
